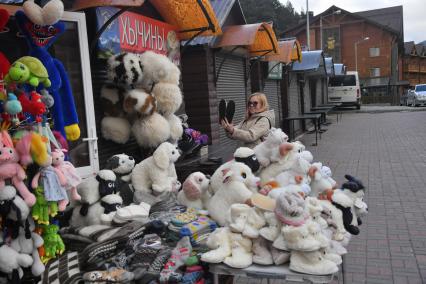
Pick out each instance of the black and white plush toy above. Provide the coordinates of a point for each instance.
(122, 165)
(347, 199)
(12, 205)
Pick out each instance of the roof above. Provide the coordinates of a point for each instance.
(375, 18)
(312, 61)
(221, 8)
(408, 47)
(420, 49)
(329, 66)
(289, 51)
(390, 17)
(339, 69)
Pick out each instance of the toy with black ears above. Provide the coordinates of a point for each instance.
(122, 165)
(41, 27)
(243, 155)
(347, 199)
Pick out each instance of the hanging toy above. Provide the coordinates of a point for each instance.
(53, 244)
(47, 98)
(28, 69)
(68, 170)
(33, 105)
(13, 107)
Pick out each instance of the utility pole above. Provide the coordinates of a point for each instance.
(308, 41)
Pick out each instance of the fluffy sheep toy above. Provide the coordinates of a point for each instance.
(267, 151)
(242, 155)
(194, 191)
(236, 184)
(157, 174)
(122, 165)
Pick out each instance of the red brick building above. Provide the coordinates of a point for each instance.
(344, 37)
(414, 63)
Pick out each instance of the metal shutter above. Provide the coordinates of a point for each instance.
(231, 85)
(272, 92)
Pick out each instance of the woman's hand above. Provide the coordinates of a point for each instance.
(227, 126)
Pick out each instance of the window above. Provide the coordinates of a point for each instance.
(374, 51)
(72, 50)
(343, 80)
(374, 72)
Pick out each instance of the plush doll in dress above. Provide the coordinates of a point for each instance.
(68, 170)
(53, 182)
(10, 168)
(41, 28)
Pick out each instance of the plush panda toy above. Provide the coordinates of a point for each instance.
(122, 165)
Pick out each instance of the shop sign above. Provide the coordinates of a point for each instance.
(135, 33)
(276, 73)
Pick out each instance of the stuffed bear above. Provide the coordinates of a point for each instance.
(194, 191)
(157, 174)
(41, 28)
(242, 155)
(122, 165)
(236, 188)
(267, 151)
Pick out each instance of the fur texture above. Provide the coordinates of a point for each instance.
(311, 263)
(116, 129)
(236, 183)
(219, 244)
(267, 151)
(125, 69)
(157, 174)
(194, 191)
(122, 165)
(151, 131)
(319, 182)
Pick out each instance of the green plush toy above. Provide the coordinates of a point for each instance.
(28, 69)
(43, 208)
(53, 244)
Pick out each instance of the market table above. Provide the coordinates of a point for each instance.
(269, 272)
(314, 117)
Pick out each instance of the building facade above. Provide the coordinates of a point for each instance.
(414, 63)
(370, 42)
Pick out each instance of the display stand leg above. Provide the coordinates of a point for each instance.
(215, 278)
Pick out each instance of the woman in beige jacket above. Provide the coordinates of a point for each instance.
(259, 119)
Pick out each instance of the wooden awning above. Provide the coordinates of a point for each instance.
(85, 4)
(289, 51)
(258, 38)
(191, 17)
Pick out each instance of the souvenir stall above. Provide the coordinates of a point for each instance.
(269, 212)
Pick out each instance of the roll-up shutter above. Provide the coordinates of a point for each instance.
(231, 85)
(272, 92)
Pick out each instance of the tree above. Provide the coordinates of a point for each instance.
(282, 16)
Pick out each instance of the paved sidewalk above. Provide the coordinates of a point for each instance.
(388, 152)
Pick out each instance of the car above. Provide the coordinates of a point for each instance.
(345, 89)
(417, 96)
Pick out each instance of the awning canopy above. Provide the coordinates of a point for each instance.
(329, 66)
(289, 51)
(192, 18)
(312, 63)
(84, 4)
(258, 38)
(339, 69)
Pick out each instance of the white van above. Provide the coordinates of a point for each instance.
(345, 89)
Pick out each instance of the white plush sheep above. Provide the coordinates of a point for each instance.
(194, 191)
(267, 151)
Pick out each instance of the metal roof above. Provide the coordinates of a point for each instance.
(390, 17)
(329, 66)
(408, 47)
(221, 8)
(311, 61)
(339, 69)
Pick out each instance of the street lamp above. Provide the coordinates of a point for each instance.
(337, 12)
(356, 52)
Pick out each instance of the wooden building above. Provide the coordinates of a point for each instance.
(414, 63)
(370, 42)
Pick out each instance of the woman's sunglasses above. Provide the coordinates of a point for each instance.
(254, 104)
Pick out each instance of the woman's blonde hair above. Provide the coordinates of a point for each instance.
(264, 106)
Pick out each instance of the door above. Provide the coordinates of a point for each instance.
(232, 85)
(73, 51)
(273, 94)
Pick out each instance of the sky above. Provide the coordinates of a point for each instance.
(414, 12)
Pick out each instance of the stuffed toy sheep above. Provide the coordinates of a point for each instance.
(122, 165)
(156, 174)
(267, 151)
(236, 188)
(194, 191)
(320, 182)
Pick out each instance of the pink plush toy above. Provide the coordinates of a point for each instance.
(68, 170)
(10, 168)
(53, 183)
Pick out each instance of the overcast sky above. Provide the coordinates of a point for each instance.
(414, 12)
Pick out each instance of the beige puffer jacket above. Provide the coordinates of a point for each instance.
(251, 131)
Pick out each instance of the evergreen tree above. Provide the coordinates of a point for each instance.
(283, 16)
